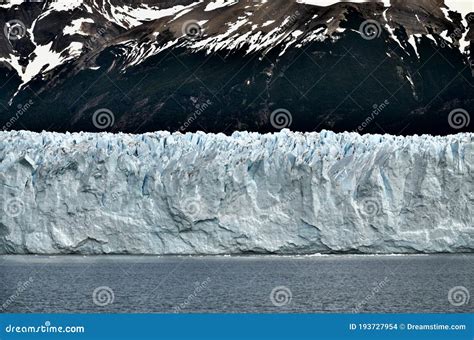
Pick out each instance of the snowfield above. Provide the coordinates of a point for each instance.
(283, 193)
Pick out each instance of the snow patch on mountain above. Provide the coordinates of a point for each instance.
(219, 4)
(43, 60)
(462, 6)
(324, 3)
(129, 17)
(283, 193)
(248, 28)
(64, 5)
(76, 27)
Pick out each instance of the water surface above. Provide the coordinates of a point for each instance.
(319, 284)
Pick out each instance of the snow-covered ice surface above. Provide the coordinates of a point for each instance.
(284, 193)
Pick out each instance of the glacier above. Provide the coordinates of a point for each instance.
(248, 193)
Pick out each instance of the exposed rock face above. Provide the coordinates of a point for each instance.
(151, 62)
(284, 193)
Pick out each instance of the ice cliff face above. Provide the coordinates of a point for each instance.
(162, 193)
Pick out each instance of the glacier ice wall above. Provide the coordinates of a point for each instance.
(284, 193)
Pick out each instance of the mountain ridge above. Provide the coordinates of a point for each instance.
(81, 42)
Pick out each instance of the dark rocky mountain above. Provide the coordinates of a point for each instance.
(225, 65)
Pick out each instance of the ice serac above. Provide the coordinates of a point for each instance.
(283, 193)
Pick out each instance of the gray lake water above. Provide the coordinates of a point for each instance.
(319, 284)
